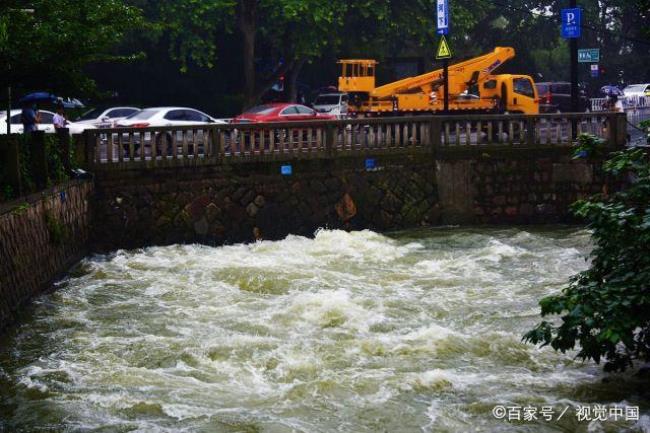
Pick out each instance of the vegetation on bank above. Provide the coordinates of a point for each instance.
(30, 168)
(605, 310)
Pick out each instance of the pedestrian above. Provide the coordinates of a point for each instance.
(60, 121)
(30, 118)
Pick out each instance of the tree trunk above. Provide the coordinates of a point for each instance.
(247, 25)
(291, 82)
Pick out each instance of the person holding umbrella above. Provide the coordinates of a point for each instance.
(612, 94)
(30, 118)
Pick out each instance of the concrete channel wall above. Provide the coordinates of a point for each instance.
(41, 237)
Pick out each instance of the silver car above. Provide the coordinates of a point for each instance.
(335, 104)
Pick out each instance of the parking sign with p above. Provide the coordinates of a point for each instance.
(571, 23)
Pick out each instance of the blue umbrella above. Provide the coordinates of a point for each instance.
(38, 97)
(611, 91)
(70, 103)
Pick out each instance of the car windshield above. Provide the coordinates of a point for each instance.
(542, 88)
(142, 115)
(561, 88)
(635, 88)
(327, 100)
(261, 109)
(92, 114)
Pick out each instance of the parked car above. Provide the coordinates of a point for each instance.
(280, 112)
(46, 124)
(166, 116)
(105, 117)
(556, 97)
(636, 90)
(335, 104)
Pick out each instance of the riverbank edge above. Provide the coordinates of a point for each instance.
(41, 237)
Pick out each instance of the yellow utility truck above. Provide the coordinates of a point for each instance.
(472, 89)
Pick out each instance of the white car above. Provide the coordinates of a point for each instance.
(105, 117)
(636, 90)
(46, 124)
(167, 116)
(335, 104)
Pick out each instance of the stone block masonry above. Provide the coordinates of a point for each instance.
(244, 202)
(41, 237)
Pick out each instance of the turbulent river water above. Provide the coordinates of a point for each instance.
(345, 332)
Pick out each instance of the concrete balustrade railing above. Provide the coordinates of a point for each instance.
(217, 143)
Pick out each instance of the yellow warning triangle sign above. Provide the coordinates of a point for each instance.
(444, 52)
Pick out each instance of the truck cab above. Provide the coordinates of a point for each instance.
(514, 93)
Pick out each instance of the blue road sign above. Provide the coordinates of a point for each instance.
(442, 12)
(286, 170)
(370, 164)
(589, 55)
(571, 23)
(595, 69)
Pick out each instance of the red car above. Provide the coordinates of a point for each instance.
(280, 112)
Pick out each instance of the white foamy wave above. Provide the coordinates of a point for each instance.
(344, 331)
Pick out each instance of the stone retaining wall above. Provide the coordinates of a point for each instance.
(40, 239)
(245, 202)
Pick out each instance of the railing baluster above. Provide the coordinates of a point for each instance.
(262, 141)
(184, 143)
(489, 132)
(131, 147)
(511, 132)
(447, 133)
(109, 147)
(457, 133)
(500, 132)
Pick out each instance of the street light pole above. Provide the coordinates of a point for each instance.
(573, 46)
(8, 95)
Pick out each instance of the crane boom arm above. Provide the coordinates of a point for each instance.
(461, 75)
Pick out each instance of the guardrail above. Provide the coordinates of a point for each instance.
(215, 143)
(628, 102)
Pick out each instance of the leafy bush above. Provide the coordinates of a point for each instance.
(54, 160)
(645, 125)
(588, 146)
(606, 309)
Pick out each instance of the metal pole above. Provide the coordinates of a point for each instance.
(8, 108)
(573, 46)
(8, 89)
(446, 84)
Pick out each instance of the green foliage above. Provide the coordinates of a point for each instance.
(645, 125)
(54, 160)
(588, 146)
(49, 48)
(55, 228)
(606, 309)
